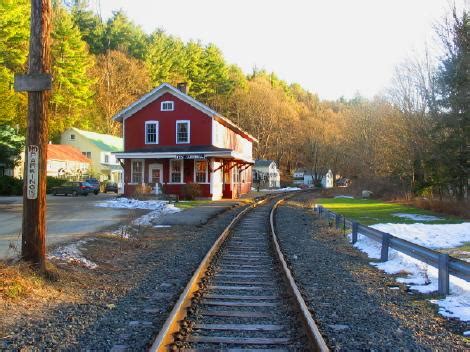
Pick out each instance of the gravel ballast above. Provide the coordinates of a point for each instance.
(356, 306)
(123, 303)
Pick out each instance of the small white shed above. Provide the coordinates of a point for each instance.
(327, 180)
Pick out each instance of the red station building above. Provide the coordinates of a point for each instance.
(172, 139)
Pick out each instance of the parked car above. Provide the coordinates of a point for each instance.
(95, 185)
(111, 187)
(73, 188)
(343, 182)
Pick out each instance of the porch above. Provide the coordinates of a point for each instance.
(215, 178)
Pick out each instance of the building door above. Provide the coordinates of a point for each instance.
(156, 176)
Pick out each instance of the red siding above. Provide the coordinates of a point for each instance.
(201, 124)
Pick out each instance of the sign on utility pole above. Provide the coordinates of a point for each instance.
(37, 83)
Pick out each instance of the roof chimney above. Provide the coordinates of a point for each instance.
(182, 87)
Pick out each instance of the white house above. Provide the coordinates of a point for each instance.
(99, 148)
(327, 180)
(267, 174)
(302, 177)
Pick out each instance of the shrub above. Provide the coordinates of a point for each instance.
(191, 190)
(53, 182)
(10, 186)
(142, 191)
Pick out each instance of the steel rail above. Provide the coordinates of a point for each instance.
(171, 326)
(316, 339)
(166, 337)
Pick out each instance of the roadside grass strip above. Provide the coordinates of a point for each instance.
(369, 212)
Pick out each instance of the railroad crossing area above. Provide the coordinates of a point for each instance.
(264, 274)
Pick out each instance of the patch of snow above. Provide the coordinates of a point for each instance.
(431, 236)
(420, 276)
(285, 189)
(417, 217)
(71, 253)
(466, 333)
(346, 197)
(130, 203)
(158, 207)
(146, 220)
(162, 226)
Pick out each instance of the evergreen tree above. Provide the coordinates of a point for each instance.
(14, 34)
(453, 132)
(90, 25)
(11, 146)
(72, 85)
(121, 34)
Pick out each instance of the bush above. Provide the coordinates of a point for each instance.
(53, 182)
(10, 186)
(191, 190)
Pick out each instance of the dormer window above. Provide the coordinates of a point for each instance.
(167, 106)
(151, 132)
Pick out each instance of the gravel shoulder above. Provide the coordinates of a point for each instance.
(120, 305)
(356, 306)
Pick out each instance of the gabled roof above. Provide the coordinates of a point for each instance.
(65, 152)
(104, 142)
(263, 163)
(168, 88)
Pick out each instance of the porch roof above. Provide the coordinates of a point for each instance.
(171, 152)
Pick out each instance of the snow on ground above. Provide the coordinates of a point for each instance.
(285, 189)
(430, 235)
(420, 276)
(346, 197)
(417, 217)
(129, 203)
(158, 207)
(71, 253)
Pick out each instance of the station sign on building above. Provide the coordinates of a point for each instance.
(171, 139)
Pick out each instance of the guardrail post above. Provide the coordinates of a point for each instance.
(385, 246)
(443, 278)
(337, 221)
(354, 232)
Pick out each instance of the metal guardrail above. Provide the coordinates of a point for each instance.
(445, 264)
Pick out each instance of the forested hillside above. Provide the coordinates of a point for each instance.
(416, 136)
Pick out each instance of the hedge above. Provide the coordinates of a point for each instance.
(10, 186)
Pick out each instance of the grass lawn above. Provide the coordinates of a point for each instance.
(370, 212)
(186, 204)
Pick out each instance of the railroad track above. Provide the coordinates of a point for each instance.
(242, 297)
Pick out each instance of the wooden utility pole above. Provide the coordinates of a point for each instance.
(37, 83)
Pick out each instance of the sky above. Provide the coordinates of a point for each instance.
(332, 48)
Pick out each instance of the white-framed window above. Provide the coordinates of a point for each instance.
(183, 130)
(137, 171)
(87, 154)
(72, 137)
(201, 171)
(176, 171)
(151, 132)
(106, 159)
(167, 105)
(235, 175)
